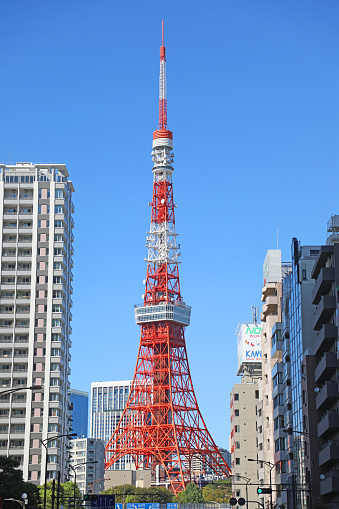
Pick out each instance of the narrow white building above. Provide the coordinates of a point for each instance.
(87, 460)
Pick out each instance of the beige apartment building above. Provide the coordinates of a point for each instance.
(271, 314)
(243, 440)
(243, 402)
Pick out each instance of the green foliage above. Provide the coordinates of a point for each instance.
(141, 495)
(12, 484)
(219, 492)
(66, 492)
(192, 494)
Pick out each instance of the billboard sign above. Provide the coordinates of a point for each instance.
(249, 343)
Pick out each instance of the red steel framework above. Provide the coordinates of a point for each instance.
(161, 427)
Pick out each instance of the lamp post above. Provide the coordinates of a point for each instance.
(271, 466)
(45, 443)
(16, 500)
(75, 473)
(9, 391)
(290, 431)
(247, 480)
(97, 480)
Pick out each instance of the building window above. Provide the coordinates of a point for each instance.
(303, 272)
(256, 394)
(236, 413)
(236, 397)
(237, 461)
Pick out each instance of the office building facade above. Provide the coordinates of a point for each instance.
(108, 400)
(79, 412)
(87, 457)
(302, 338)
(35, 314)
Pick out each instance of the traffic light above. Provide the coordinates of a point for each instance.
(90, 497)
(263, 491)
(240, 501)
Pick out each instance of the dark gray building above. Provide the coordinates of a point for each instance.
(325, 298)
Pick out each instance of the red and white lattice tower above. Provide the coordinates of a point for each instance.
(161, 427)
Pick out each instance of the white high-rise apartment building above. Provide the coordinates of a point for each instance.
(108, 400)
(35, 313)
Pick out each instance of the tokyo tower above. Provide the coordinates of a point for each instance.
(161, 427)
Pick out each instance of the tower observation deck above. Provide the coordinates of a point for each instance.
(161, 427)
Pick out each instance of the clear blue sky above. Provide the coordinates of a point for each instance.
(253, 104)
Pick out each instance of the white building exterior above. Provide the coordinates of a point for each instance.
(89, 477)
(36, 243)
(108, 400)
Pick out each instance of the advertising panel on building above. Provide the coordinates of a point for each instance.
(249, 344)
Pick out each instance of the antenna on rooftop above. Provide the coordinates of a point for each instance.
(255, 311)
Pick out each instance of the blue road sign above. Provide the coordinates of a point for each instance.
(142, 506)
(172, 506)
(118, 506)
(104, 501)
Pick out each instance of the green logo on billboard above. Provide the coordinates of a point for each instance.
(254, 330)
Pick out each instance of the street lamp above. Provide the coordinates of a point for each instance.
(248, 480)
(45, 443)
(271, 466)
(97, 480)
(16, 500)
(290, 431)
(9, 391)
(75, 474)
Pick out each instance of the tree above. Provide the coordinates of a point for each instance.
(192, 494)
(12, 484)
(66, 491)
(219, 492)
(141, 495)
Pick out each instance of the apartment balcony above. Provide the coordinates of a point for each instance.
(9, 226)
(328, 333)
(22, 285)
(9, 257)
(326, 308)
(323, 284)
(329, 454)
(330, 484)
(327, 365)
(327, 395)
(324, 253)
(270, 305)
(276, 350)
(267, 290)
(328, 424)
(279, 410)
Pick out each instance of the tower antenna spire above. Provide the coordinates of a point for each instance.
(162, 86)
